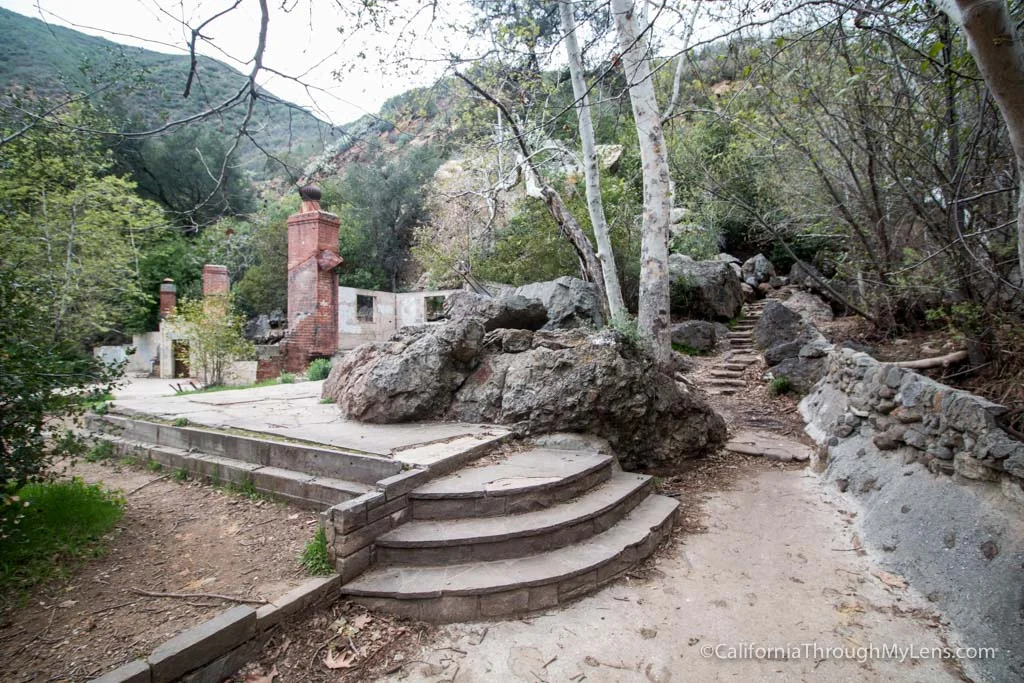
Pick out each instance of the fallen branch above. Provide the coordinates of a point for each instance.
(190, 596)
(937, 362)
(151, 481)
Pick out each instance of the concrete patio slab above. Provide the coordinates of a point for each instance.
(294, 411)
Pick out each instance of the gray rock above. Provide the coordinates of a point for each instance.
(783, 351)
(806, 275)
(395, 381)
(757, 269)
(699, 335)
(510, 312)
(709, 290)
(568, 381)
(570, 302)
(779, 325)
(802, 373)
(809, 306)
(777, 281)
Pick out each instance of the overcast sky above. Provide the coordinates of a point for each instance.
(304, 42)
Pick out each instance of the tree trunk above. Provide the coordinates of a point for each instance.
(994, 43)
(616, 309)
(653, 319)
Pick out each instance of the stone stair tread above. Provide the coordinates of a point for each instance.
(532, 470)
(354, 488)
(452, 532)
(475, 578)
(724, 382)
(722, 391)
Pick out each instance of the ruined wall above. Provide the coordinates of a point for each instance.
(939, 488)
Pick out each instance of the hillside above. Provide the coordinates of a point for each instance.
(139, 88)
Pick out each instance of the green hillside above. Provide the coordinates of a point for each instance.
(138, 89)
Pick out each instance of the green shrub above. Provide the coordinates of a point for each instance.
(315, 558)
(60, 524)
(779, 385)
(181, 422)
(318, 369)
(104, 450)
(180, 475)
(287, 378)
(626, 326)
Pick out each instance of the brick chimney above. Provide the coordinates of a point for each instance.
(168, 297)
(216, 286)
(312, 280)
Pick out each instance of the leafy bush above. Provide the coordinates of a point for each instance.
(215, 337)
(316, 559)
(286, 378)
(42, 378)
(318, 369)
(103, 450)
(61, 523)
(626, 326)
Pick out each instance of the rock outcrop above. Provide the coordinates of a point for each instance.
(791, 345)
(570, 302)
(512, 312)
(708, 290)
(539, 382)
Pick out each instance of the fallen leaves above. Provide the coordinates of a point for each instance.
(339, 660)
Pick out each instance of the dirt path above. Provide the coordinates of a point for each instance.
(174, 537)
(777, 566)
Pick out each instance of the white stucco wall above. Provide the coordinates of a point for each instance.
(391, 311)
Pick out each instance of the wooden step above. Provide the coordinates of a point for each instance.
(523, 482)
(454, 541)
(475, 590)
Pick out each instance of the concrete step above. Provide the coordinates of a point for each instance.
(743, 358)
(311, 491)
(431, 542)
(475, 590)
(523, 482)
(723, 391)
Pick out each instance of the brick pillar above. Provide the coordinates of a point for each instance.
(312, 281)
(216, 286)
(168, 297)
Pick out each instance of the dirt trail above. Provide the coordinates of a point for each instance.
(174, 537)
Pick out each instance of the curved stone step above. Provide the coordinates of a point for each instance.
(523, 482)
(475, 590)
(493, 538)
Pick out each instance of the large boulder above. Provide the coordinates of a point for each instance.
(409, 378)
(700, 336)
(506, 312)
(709, 290)
(780, 325)
(565, 381)
(757, 269)
(570, 302)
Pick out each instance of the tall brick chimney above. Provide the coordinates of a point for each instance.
(312, 281)
(216, 286)
(168, 297)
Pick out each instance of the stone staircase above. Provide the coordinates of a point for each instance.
(302, 474)
(531, 532)
(726, 378)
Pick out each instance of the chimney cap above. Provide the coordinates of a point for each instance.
(168, 280)
(310, 193)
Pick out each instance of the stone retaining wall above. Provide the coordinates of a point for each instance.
(936, 486)
(948, 430)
